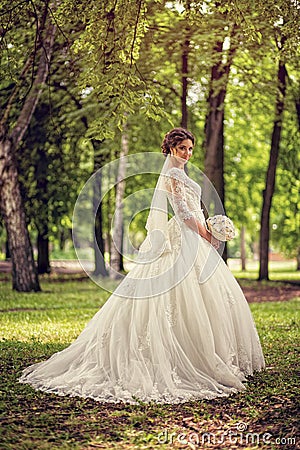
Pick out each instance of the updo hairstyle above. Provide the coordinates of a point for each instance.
(173, 138)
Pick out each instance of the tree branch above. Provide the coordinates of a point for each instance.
(14, 93)
(37, 86)
(135, 32)
(29, 64)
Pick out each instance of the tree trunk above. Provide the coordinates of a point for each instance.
(109, 201)
(116, 247)
(185, 69)
(63, 235)
(43, 254)
(7, 252)
(99, 249)
(298, 259)
(214, 127)
(214, 153)
(243, 249)
(271, 173)
(24, 273)
(41, 173)
(184, 84)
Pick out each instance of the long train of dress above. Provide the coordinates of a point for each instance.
(159, 340)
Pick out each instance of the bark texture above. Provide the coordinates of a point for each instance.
(99, 249)
(271, 174)
(24, 273)
(214, 123)
(184, 84)
(243, 248)
(117, 235)
(214, 126)
(43, 260)
(41, 221)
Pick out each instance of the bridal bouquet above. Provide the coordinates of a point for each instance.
(221, 227)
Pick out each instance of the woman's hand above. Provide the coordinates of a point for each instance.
(211, 239)
(215, 242)
(206, 234)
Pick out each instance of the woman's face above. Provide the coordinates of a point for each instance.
(183, 150)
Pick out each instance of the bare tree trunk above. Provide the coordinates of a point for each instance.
(213, 162)
(243, 248)
(63, 236)
(43, 260)
(122, 250)
(271, 173)
(214, 126)
(116, 247)
(109, 202)
(41, 221)
(185, 69)
(297, 105)
(7, 252)
(99, 249)
(24, 273)
(184, 84)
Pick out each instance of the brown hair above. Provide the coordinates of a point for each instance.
(174, 137)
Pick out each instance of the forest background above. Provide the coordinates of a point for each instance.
(83, 83)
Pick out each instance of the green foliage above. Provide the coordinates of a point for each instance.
(22, 28)
(109, 47)
(118, 62)
(34, 326)
(18, 24)
(285, 216)
(52, 166)
(249, 119)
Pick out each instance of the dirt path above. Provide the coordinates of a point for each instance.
(261, 293)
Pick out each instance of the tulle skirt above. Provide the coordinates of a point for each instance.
(176, 329)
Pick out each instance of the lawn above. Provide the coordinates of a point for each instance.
(278, 270)
(33, 326)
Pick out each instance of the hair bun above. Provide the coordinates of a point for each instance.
(174, 137)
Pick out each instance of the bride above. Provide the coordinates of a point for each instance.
(178, 327)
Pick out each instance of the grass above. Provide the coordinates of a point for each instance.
(278, 270)
(33, 326)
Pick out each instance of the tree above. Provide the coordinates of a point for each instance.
(117, 232)
(100, 157)
(239, 23)
(271, 172)
(24, 275)
(43, 262)
(285, 214)
(214, 124)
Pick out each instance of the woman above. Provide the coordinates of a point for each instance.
(178, 327)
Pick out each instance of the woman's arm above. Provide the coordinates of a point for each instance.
(196, 226)
(183, 212)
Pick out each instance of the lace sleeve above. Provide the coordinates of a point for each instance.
(176, 187)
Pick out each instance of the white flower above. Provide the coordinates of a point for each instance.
(221, 227)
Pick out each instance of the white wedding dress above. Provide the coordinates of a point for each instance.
(176, 329)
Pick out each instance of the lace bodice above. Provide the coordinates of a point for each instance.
(184, 195)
